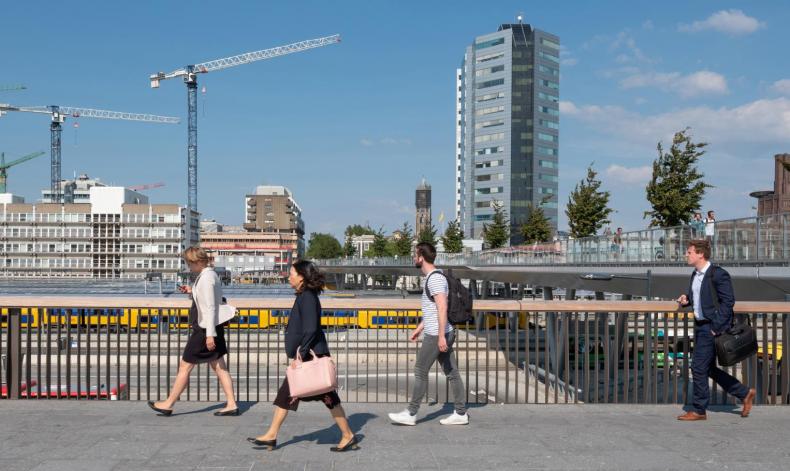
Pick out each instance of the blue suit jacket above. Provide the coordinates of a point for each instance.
(720, 319)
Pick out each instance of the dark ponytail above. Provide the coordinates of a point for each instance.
(313, 278)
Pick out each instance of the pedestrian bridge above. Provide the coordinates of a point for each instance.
(756, 252)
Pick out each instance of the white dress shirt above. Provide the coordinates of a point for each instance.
(696, 288)
(207, 293)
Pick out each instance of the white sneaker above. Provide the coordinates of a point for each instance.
(404, 418)
(455, 419)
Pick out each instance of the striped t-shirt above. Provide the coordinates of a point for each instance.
(430, 315)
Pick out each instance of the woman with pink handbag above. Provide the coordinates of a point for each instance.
(311, 369)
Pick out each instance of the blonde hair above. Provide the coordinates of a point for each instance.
(197, 255)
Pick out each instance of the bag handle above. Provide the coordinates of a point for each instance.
(299, 355)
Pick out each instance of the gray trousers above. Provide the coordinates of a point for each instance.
(428, 354)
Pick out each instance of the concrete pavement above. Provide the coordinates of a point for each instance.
(121, 435)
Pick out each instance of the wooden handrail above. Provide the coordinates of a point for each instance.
(181, 301)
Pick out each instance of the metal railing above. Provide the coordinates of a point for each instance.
(515, 351)
(763, 239)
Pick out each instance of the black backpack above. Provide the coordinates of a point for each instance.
(459, 299)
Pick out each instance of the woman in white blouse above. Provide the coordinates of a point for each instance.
(206, 344)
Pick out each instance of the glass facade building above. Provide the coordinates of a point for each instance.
(507, 128)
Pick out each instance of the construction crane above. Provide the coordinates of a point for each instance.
(189, 75)
(59, 114)
(5, 166)
(149, 186)
(12, 88)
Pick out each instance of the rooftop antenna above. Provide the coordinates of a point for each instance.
(520, 17)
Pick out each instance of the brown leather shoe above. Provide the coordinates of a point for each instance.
(691, 415)
(748, 401)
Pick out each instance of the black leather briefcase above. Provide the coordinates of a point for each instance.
(738, 343)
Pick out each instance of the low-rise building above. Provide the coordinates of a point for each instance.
(252, 256)
(116, 234)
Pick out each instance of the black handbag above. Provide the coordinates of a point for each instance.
(737, 343)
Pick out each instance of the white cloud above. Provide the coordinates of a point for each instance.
(634, 175)
(648, 25)
(782, 86)
(366, 142)
(566, 57)
(760, 121)
(732, 22)
(698, 83)
(632, 53)
(387, 141)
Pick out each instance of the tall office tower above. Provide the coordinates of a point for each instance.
(507, 128)
(423, 206)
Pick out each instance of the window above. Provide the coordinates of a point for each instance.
(490, 96)
(550, 84)
(488, 178)
(549, 124)
(522, 67)
(490, 124)
(547, 110)
(550, 204)
(490, 163)
(548, 164)
(490, 150)
(547, 150)
(490, 57)
(489, 110)
(489, 43)
(549, 43)
(491, 83)
(548, 178)
(548, 137)
(523, 81)
(549, 97)
(490, 137)
(549, 70)
(546, 191)
(483, 217)
(515, 108)
(549, 56)
(488, 191)
(489, 71)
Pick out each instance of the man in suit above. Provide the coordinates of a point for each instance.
(711, 318)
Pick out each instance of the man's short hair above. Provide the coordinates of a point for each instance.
(701, 246)
(426, 251)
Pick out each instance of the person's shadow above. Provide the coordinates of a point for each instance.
(445, 410)
(329, 435)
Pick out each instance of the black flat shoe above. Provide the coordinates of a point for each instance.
(227, 412)
(268, 444)
(165, 412)
(352, 445)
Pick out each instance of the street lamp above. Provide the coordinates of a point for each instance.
(610, 277)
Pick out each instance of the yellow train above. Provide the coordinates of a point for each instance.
(134, 319)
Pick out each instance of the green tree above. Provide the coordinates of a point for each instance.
(380, 246)
(349, 250)
(453, 237)
(676, 188)
(427, 234)
(588, 207)
(497, 234)
(358, 230)
(538, 227)
(402, 241)
(323, 246)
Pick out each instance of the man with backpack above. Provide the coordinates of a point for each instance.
(439, 291)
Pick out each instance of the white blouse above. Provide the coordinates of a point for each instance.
(207, 293)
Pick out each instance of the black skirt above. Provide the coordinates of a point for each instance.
(195, 350)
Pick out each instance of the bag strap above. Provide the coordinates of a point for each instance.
(427, 289)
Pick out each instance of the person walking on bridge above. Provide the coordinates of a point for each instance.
(437, 342)
(710, 293)
(206, 343)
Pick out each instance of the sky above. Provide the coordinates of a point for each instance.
(352, 128)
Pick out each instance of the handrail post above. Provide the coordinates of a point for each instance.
(14, 356)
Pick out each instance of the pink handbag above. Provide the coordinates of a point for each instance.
(311, 378)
